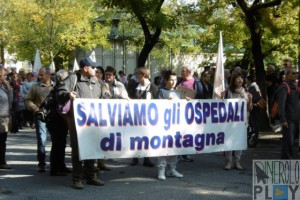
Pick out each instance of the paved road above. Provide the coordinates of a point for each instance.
(203, 179)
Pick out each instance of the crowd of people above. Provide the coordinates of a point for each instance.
(22, 96)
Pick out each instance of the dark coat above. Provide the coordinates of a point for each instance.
(85, 88)
(288, 104)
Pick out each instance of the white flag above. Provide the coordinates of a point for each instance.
(93, 56)
(37, 62)
(219, 84)
(52, 67)
(75, 66)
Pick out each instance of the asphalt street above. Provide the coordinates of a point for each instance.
(203, 179)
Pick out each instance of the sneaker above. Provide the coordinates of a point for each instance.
(77, 185)
(4, 166)
(95, 181)
(161, 177)
(161, 173)
(276, 127)
(174, 173)
(41, 169)
(238, 166)
(227, 166)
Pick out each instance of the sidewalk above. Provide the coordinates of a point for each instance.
(203, 179)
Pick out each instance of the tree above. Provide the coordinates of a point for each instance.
(253, 21)
(3, 31)
(55, 27)
(152, 17)
(275, 30)
(259, 31)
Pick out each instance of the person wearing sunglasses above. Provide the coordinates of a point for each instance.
(82, 84)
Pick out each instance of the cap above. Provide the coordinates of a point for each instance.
(86, 62)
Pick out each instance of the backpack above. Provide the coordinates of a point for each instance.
(274, 107)
(64, 108)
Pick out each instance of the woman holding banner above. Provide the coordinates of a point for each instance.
(168, 92)
(236, 90)
(144, 90)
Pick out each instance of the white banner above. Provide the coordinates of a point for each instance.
(147, 128)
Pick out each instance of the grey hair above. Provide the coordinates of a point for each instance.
(47, 69)
(271, 66)
(61, 75)
(288, 70)
(189, 68)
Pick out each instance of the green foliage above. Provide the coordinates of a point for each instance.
(54, 27)
(281, 29)
(60, 26)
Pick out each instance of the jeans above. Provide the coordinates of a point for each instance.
(167, 161)
(41, 134)
(236, 158)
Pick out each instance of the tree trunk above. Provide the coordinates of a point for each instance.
(2, 54)
(148, 46)
(262, 123)
(246, 59)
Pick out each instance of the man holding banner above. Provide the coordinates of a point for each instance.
(83, 84)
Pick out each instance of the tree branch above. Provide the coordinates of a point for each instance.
(268, 52)
(243, 5)
(159, 6)
(265, 5)
(144, 26)
(255, 2)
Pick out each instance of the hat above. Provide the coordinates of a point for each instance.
(86, 62)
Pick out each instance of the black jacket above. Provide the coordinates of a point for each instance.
(288, 104)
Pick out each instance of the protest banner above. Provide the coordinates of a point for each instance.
(116, 128)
